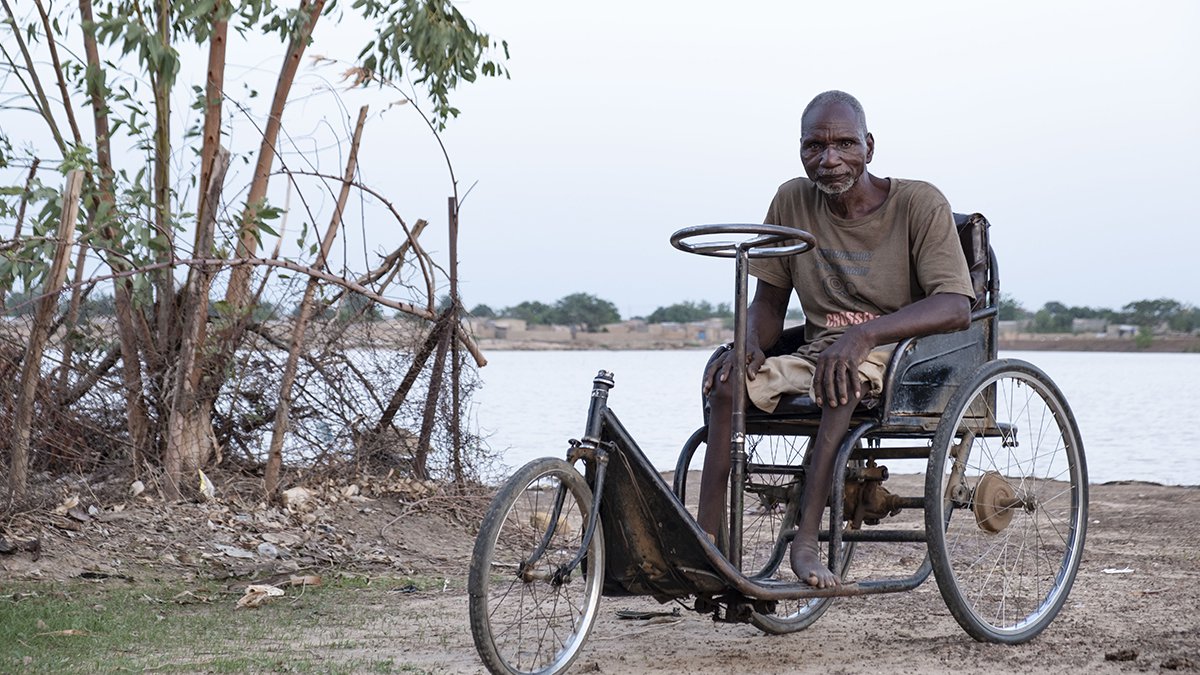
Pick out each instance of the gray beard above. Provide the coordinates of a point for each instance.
(835, 190)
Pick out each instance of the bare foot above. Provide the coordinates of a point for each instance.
(806, 563)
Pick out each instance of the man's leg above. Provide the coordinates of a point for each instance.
(715, 479)
(806, 559)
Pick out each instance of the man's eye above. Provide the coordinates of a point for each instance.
(846, 144)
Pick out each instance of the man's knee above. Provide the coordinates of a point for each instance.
(720, 396)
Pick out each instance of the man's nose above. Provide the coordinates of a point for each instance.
(830, 157)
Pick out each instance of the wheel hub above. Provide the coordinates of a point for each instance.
(994, 502)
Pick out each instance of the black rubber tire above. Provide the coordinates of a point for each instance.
(534, 626)
(1007, 582)
(772, 509)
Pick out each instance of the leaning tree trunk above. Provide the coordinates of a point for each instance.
(31, 369)
(239, 281)
(190, 439)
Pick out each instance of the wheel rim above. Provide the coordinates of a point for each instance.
(1014, 512)
(536, 625)
(770, 481)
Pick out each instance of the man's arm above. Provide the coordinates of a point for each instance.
(764, 324)
(836, 376)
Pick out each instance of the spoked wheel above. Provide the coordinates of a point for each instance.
(525, 617)
(1006, 494)
(771, 496)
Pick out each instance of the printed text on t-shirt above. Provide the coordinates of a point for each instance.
(843, 319)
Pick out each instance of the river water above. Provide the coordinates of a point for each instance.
(1135, 411)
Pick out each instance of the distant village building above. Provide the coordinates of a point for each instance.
(1121, 330)
(1012, 328)
(1095, 326)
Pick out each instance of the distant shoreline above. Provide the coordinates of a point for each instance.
(1025, 342)
(1075, 343)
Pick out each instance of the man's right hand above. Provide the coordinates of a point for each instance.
(719, 370)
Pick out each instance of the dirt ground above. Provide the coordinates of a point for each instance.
(1145, 619)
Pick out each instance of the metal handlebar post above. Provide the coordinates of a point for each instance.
(737, 440)
(771, 242)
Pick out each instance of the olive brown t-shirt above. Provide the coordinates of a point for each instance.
(905, 250)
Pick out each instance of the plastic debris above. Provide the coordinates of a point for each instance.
(257, 594)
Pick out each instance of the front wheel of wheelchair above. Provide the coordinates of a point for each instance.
(1006, 502)
(525, 618)
(771, 498)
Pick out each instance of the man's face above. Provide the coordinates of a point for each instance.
(834, 148)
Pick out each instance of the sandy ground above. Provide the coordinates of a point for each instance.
(1144, 620)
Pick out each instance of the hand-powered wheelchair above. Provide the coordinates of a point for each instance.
(1004, 504)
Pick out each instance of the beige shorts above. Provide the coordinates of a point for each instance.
(793, 374)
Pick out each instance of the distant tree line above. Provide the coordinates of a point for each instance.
(1055, 317)
(577, 309)
(590, 312)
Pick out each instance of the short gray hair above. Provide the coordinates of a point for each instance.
(839, 97)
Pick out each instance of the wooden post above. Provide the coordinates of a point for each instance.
(421, 461)
(40, 333)
(455, 366)
(189, 427)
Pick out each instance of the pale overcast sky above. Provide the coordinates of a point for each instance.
(1071, 125)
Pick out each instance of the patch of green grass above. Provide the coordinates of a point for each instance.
(117, 626)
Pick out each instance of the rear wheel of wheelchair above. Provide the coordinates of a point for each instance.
(1006, 502)
(771, 500)
(525, 618)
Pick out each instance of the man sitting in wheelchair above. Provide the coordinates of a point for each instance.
(888, 265)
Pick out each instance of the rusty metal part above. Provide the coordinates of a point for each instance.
(994, 502)
(869, 502)
(865, 500)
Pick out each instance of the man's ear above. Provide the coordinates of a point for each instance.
(870, 147)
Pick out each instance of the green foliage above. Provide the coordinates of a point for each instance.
(1055, 317)
(582, 309)
(483, 312)
(265, 311)
(131, 26)
(577, 309)
(434, 41)
(101, 305)
(6, 150)
(686, 312)
(1011, 309)
(1152, 313)
(424, 41)
(1047, 320)
(1144, 338)
(1186, 320)
(532, 312)
(25, 266)
(358, 307)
